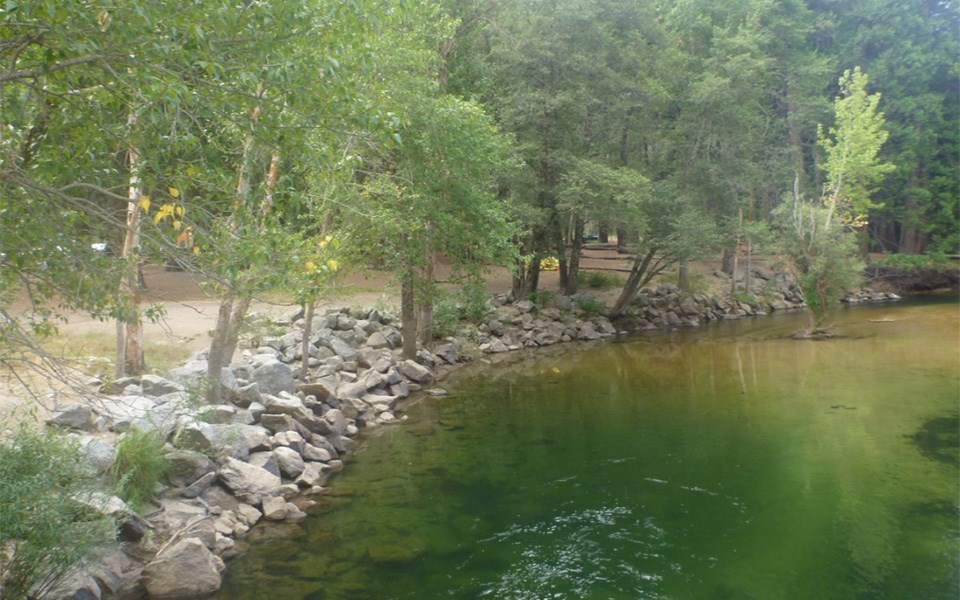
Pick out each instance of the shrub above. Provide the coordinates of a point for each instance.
(473, 301)
(744, 297)
(45, 528)
(446, 315)
(590, 305)
(599, 280)
(139, 467)
(541, 297)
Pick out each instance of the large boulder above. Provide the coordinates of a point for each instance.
(78, 416)
(154, 385)
(286, 403)
(273, 377)
(290, 462)
(187, 466)
(190, 374)
(249, 483)
(414, 371)
(236, 440)
(342, 348)
(186, 569)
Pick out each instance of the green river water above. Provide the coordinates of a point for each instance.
(724, 462)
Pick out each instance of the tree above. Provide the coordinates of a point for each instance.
(436, 193)
(851, 149)
(669, 230)
(909, 47)
(820, 238)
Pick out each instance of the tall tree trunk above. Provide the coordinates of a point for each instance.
(239, 312)
(408, 315)
(735, 256)
(576, 250)
(622, 240)
(683, 276)
(728, 261)
(425, 326)
(131, 341)
(215, 358)
(307, 334)
(640, 274)
(603, 235)
(912, 238)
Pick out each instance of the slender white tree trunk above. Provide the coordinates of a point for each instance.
(130, 358)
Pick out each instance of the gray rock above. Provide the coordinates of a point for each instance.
(78, 416)
(278, 423)
(190, 374)
(393, 337)
(336, 420)
(98, 453)
(199, 486)
(494, 346)
(278, 509)
(235, 440)
(604, 326)
(342, 349)
(377, 340)
(112, 388)
(400, 389)
(273, 377)
(290, 461)
(525, 306)
(415, 371)
(248, 515)
(154, 385)
(124, 410)
(285, 403)
(588, 332)
(448, 353)
(324, 444)
(314, 473)
(222, 414)
(78, 585)
(321, 389)
(186, 466)
(345, 322)
(249, 483)
(186, 569)
(290, 439)
(265, 460)
(117, 574)
(313, 453)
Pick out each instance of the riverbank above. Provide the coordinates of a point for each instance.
(265, 454)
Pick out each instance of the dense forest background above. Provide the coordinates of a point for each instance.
(271, 144)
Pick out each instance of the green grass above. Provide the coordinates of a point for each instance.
(93, 352)
(140, 467)
(600, 279)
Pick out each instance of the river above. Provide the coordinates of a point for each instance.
(723, 462)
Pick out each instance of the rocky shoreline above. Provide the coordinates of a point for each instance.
(276, 441)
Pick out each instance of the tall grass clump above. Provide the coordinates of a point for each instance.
(139, 467)
(46, 524)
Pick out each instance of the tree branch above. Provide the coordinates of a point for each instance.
(14, 75)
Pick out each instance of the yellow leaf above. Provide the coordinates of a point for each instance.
(333, 265)
(191, 171)
(310, 265)
(176, 225)
(145, 203)
(196, 250)
(173, 192)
